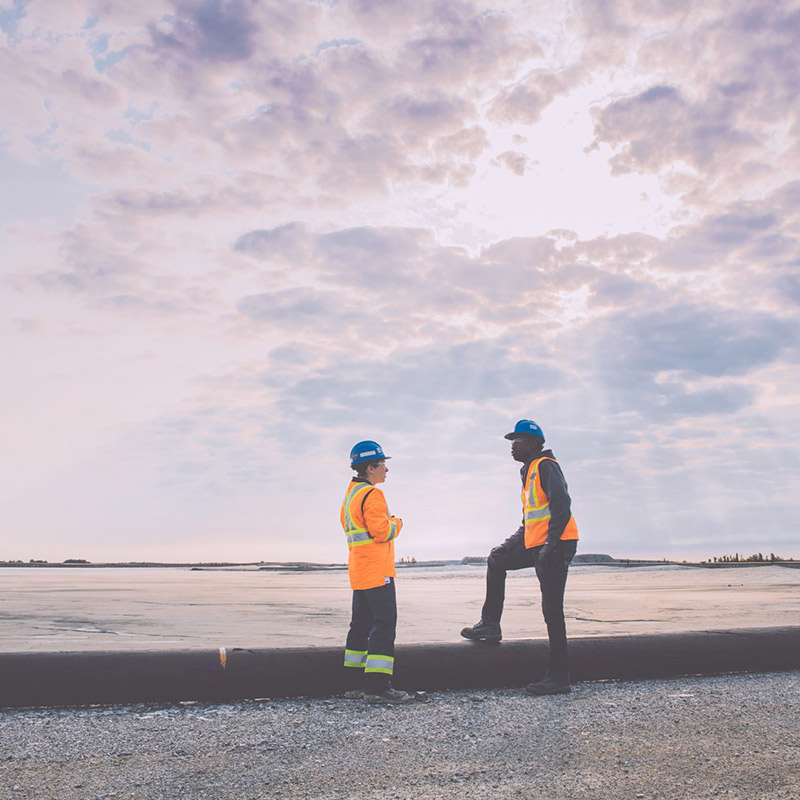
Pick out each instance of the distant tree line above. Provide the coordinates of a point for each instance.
(736, 558)
(43, 561)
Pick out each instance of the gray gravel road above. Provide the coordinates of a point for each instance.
(732, 737)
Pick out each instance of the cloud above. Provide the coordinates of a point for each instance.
(479, 47)
(718, 122)
(297, 224)
(290, 243)
(516, 162)
(212, 30)
(525, 101)
(694, 340)
(723, 400)
(297, 308)
(420, 116)
(658, 127)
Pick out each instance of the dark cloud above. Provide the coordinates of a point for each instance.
(658, 127)
(428, 115)
(716, 112)
(93, 267)
(288, 127)
(619, 291)
(364, 163)
(95, 91)
(788, 286)
(294, 308)
(355, 253)
(420, 382)
(660, 354)
(685, 360)
(365, 258)
(724, 400)
(474, 48)
(757, 231)
(695, 340)
(525, 101)
(214, 30)
(286, 242)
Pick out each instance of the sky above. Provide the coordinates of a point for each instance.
(239, 236)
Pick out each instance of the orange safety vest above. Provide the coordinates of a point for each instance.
(370, 532)
(536, 508)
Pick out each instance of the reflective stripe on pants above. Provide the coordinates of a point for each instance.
(383, 664)
(355, 658)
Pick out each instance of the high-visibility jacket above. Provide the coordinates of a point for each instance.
(536, 508)
(370, 532)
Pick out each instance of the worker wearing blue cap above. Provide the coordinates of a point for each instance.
(546, 540)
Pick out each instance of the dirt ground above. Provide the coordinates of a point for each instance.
(733, 737)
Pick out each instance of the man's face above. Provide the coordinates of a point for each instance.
(523, 449)
(376, 473)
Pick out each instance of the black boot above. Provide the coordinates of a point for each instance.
(483, 632)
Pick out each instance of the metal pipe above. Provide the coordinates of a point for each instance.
(224, 674)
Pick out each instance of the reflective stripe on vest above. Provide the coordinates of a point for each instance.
(532, 508)
(384, 664)
(355, 658)
(392, 530)
(356, 535)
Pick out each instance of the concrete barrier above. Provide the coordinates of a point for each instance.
(66, 679)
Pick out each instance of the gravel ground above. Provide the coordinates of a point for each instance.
(732, 737)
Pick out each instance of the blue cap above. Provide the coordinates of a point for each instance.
(366, 451)
(525, 427)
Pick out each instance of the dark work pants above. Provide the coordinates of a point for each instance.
(552, 581)
(373, 626)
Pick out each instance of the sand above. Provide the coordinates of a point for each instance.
(90, 609)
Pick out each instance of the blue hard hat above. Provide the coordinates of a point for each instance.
(525, 427)
(366, 451)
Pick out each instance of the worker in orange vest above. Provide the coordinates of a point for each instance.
(546, 540)
(370, 532)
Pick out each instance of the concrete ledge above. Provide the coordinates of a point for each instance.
(65, 679)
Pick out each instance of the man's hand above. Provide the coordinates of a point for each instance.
(547, 554)
(498, 551)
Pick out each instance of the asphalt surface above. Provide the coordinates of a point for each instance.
(735, 737)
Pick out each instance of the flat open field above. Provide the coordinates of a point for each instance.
(80, 609)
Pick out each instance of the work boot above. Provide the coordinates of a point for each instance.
(387, 696)
(549, 685)
(483, 632)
